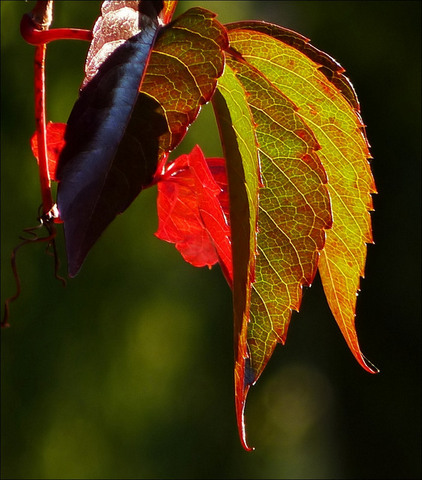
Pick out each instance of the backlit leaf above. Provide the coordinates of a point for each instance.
(182, 74)
(327, 65)
(313, 85)
(294, 210)
(190, 213)
(237, 132)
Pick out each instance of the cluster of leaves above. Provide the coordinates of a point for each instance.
(291, 196)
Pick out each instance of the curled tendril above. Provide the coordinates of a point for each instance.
(46, 223)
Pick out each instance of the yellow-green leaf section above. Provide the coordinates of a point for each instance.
(237, 133)
(294, 211)
(344, 154)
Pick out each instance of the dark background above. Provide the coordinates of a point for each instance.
(127, 372)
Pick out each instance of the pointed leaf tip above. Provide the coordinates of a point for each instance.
(244, 378)
(360, 357)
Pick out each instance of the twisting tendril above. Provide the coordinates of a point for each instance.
(46, 223)
(35, 29)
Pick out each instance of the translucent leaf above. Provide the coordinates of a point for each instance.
(327, 103)
(190, 213)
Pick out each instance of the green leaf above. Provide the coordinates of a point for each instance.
(327, 65)
(294, 210)
(237, 133)
(327, 103)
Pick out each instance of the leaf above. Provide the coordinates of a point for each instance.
(166, 13)
(183, 70)
(237, 132)
(119, 21)
(327, 102)
(294, 210)
(55, 144)
(116, 134)
(190, 213)
(327, 65)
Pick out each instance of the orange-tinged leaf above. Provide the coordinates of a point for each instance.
(332, 114)
(294, 210)
(182, 73)
(168, 10)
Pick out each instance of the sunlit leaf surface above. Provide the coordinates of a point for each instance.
(294, 210)
(237, 131)
(292, 195)
(190, 212)
(334, 119)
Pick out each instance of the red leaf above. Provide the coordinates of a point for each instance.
(192, 210)
(55, 144)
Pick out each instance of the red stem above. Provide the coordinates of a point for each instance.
(168, 10)
(40, 121)
(35, 36)
(35, 30)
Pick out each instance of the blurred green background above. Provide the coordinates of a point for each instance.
(127, 372)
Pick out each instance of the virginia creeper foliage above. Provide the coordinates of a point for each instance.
(291, 196)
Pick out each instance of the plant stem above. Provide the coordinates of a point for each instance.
(32, 34)
(40, 121)
(34, 29)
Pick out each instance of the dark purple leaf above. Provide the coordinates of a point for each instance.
(98, 177)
